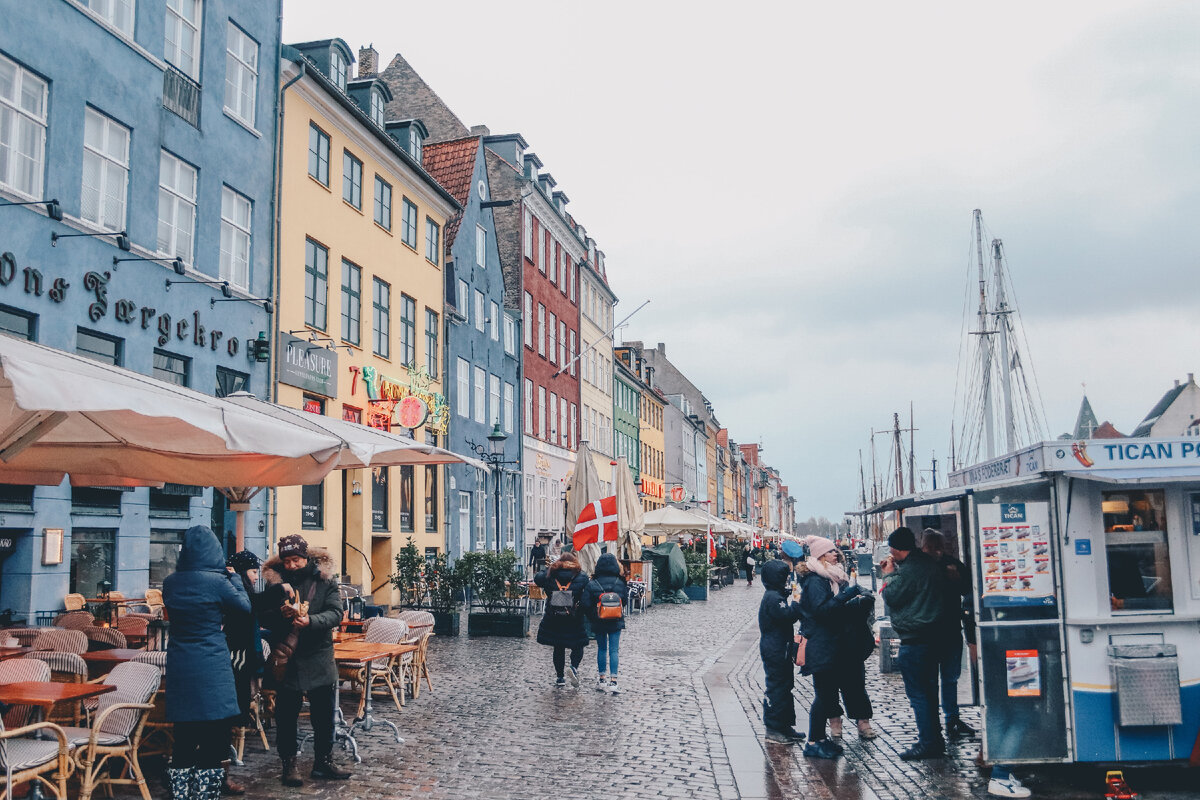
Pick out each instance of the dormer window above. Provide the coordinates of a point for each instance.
(414, 143)
(337, 68)
(377, 107)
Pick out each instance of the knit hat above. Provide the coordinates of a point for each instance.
(819, 546)
(243, 562)
(902, 539)
(792, 549)
(293, 545)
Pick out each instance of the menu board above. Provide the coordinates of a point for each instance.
(1024, 673)
(1015, 547)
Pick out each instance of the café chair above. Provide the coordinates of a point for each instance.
(414, 668)
(62, 668)
(383, 670)
(46, 760)
(154, 601)
(61, 641)
(158, 736)
(24, 636)
(75, 620)
(134, 626)
(14, 671)
(116, 731)
(75, 602)
(104, 638)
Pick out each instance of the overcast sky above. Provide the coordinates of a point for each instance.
(791, 184)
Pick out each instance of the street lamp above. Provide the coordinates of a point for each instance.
(493, 454)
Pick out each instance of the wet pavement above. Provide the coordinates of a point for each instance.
(687, 725)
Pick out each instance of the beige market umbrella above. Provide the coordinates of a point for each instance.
(630, 514)
(583, 489)
(670, 519)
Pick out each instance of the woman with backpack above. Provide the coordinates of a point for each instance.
(562, 624)
(604, 601)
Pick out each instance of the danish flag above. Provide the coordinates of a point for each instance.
(756, 541)
(597, 522)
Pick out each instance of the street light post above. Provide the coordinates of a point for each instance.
(493, 454)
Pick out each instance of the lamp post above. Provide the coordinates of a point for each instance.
(493, 454)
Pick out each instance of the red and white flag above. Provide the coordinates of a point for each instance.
(712, 547)
(756, 541)
(597, 522)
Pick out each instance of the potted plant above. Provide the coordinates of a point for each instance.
(727, 561)
(445, 595)
(697, 574)
(499, 606)
(409, 577)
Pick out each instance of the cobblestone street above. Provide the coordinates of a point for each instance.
(687, 725)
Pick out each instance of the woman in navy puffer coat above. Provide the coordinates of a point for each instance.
(607, 578)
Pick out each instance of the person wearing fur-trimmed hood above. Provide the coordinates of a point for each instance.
(302, 574)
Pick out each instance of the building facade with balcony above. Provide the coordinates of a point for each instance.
(152, 126)
(361, 304)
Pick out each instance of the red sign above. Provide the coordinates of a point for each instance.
(677, 494)
(313, 406)
(351, 414)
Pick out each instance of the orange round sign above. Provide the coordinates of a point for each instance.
(411, 412)
(677, 494)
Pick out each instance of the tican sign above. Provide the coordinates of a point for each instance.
(307, 366)
(96, 285)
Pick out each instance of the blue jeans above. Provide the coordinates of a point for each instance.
(950, 665)
(607, 645)
(919, 668)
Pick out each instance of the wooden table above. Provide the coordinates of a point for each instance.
(46, 694)
(343, 637)
(12, 652)
(101, 662)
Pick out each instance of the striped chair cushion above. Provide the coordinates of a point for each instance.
(19, 754)
(75, 620)
(108, 636)
(24, 636)
(136, 683)
(78, 737)
(63, 641)
(16, 670)
(385, 631)
(133, 624)
(416, 619)
(156, 657)
(70, 663)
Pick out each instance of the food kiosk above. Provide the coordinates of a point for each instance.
(1086, 556)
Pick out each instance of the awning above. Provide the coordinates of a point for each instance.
(1138, 476)
(920, 499)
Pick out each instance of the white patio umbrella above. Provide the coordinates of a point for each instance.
(583, 489)
(629, 513)
(670, 519)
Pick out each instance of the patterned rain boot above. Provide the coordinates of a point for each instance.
(207, 784)
(180, 783)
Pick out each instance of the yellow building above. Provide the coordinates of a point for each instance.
(651, 439)
(359, 311)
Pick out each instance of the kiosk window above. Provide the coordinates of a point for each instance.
(1135, 544)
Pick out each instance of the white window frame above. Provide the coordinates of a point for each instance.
(493, 400)
(480, 319)
(26, 87)
(510, 335)
(106, 150)
(178, 24)
(464, 302)
(377, 110)
(528, 405)
(241, 74)
(237, 212)
(571, 269)
(552, 413)
(528, 332)
(571, 354)
(481, 246)
(177, 205)
(545, 263)
(574, 412)
(338, 68)
(542, 412)
(480, 401)
(463, 406)
(464, 520)
(562, 419)
(562, 343)
(414, 143)
(494, 321)
(541, 331)
(107, 10)
(509, 407)
(552, 343)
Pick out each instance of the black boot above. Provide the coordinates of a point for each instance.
(291, 773)
(324, 769)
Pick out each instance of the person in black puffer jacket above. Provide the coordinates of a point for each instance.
(562, 627)
(776, 628)
(607, 578)
(834, 621)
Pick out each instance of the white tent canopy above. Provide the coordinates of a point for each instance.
(670, 519)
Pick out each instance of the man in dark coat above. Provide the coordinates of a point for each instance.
(562, 625)
(913, 588)
(201, 696)
(776, 628)
(537, 557)
(958, 590)
(607, 578)
(301, 574)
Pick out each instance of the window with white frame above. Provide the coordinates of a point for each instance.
(493, 400)
(510, 519)
(510, 335)
(552, 261)
(480, 320)
(529, 499)
(528, 235)
(118, 13)
(463, 406)
(541, 331)
(528, 406)
(464, 299)
(377, 112)
(22, 129)
(509, 407)
(571, 269)
(562, 343)
(544, 264)
(408, 221)
(480, 397)
(543, 502)
(241, 74)
(528, 320)
(176, 207)
(494, 321)
(552, 346)
(432, 240)
(571, 354)
(414, 143)
(352, 170)
(383, 203)
(481, 512)
(562, 419)
(464, 518)
(542, 418)
(105, 171)
(481, 246)
(235, 238)
(337, 68)
(574, 411)
(552, 414)
(183, 36)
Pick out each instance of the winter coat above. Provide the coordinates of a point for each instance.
(243, 636)
(915, 595)
(562, 631)
(777, 615)
(311, 665)
(197, 595)
(835, 625)
(607, 579)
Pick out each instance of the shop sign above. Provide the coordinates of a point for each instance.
(1099, 454)
(426, 406)
(307, 366)
(652, 488)
(95, 289)
(677, 494)
(1015, 540)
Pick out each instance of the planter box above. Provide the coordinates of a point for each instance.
(445, 623)
(482, 623)
(696, 592)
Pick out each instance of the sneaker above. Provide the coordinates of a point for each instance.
(561, 681)
(613, 687)
(956, 727)
(825, 748)
(785, 734)
(574, 673)
(601, 683)
(1007, 787)
(919, 752)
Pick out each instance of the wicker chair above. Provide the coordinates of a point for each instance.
(75, 620)
(16, 670)
(63, 668)
(25, 759)
(104, 638)
(413, 668)
(61, 641)
(75, 602)
(134, 626)
(383, 670)
(418, 622)
(25, 636)
(158, 736)
(154, 600)
(116, 732)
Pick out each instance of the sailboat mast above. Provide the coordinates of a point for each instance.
(985, 347)
(1002, 312)
(899, 455)
(912, 453)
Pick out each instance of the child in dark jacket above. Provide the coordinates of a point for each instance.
(777, 617)
(607, 578)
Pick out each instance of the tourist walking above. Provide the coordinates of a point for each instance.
(751, 557)
(201, 696)
(913, 589)
(604, 600)
(537, 557)
(562, 623)
(834, 621)
(958, 592)
(300, 608)
(777, 617)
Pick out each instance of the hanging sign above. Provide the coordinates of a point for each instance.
(1015, 542)
(307, 366)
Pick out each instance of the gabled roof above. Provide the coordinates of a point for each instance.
(415, 98)
(1107, 431)
(1167, 399)
(1085, 422)
(452, 164)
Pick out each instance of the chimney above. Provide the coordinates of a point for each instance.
(368, 61)
(480, 130)
(662, 348)
(1191, 377)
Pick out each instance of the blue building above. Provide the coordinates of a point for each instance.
(482, 356)
(152, 125)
